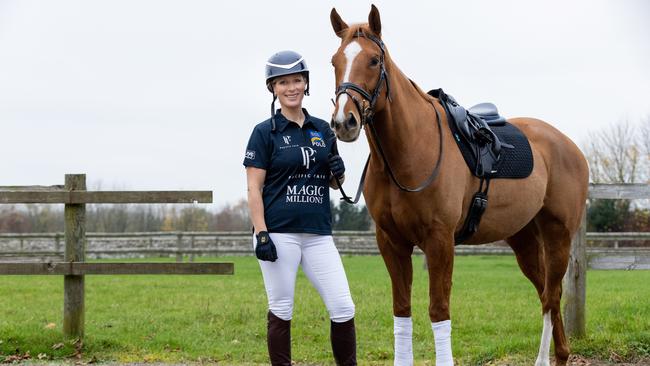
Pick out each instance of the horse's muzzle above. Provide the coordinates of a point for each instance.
(348, 130)
(350, 123)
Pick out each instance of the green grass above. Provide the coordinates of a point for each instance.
(495, 316)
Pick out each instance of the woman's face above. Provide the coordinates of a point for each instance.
(290, 90)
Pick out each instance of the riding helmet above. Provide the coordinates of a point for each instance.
(286, 63)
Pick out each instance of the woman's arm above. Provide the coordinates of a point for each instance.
(255, 181)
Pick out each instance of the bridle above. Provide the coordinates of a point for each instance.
(366, 107)
(366, 112)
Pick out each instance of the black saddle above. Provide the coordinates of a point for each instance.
(475, 127)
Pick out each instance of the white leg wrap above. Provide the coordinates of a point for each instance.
(442, 336)
(543, 358)
(403, 331)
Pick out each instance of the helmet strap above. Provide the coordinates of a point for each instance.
(273, 113)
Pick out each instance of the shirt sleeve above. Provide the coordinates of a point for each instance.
(258, 150)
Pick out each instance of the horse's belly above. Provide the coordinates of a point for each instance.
(512, 204)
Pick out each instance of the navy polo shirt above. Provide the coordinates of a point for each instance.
(296, 188)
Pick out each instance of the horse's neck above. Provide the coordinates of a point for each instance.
(407, 129)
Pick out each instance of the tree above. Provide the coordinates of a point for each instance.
(193, 219)
(45, 218)
(14, 221)
(607, 215)
(616, 155)
(645, 145)
(350, 217)
(233, 218)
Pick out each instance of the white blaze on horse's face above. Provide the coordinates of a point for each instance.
(351, 52)
(343, 109)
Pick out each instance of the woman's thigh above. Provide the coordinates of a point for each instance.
(280, 276)
(322, 265)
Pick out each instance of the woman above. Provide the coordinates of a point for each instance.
(291, 162)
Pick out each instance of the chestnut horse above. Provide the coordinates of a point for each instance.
(537, 216)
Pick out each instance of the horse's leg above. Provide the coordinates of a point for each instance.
(439, 251)
(557, 246)
(528, 247)
(397, 257)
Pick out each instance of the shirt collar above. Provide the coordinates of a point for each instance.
(282, 122)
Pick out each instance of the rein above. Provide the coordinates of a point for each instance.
(367, 113)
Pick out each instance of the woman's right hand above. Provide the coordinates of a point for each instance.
(265, 249)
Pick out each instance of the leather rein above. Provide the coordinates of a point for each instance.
(365, 108)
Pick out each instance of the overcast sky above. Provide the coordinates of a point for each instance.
(160, 94)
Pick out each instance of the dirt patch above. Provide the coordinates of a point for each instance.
(576, 360)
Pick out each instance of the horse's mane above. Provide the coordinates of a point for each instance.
(424, 95)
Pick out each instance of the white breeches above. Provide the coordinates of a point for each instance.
(321, 263)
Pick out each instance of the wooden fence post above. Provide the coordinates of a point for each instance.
(75, 251)
(179, 246)
(575, 284)
(57, 243)
(191, 248)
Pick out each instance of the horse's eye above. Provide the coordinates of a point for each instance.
(374, 61)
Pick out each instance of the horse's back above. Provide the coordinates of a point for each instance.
(562, 158)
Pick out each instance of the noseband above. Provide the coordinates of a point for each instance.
(366, 111)
(366, 106)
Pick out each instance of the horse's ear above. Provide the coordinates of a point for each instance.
(373, 20)
(338, 24)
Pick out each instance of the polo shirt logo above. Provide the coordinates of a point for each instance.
(305, 194)
(287, 139)
(316, 139)
(307, 156)
(250, 154)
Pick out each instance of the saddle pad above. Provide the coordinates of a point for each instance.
(514, 163)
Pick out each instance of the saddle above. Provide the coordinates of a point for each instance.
(491, 147)
(474, 126)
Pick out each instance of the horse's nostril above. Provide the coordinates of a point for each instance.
(351, 122)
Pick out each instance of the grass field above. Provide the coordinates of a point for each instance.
(496, 316)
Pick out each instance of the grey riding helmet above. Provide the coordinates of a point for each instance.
(286, 63)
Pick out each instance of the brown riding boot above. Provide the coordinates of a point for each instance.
(344, 343)
(278, 338)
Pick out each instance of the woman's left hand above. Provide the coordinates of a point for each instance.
(265, 248)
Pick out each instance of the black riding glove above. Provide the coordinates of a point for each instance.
(336, 165)
(265, 249)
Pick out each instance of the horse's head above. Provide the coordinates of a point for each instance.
(360, 70)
